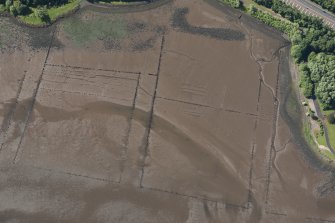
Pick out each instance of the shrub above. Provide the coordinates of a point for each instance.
(2, 8)
(8, 3)
(331, 118)
(305, 81)
(13, 10)
(284, 26)
(22, 9)
(17, 8)
(322, 131)
(325, 91)
(42, 13)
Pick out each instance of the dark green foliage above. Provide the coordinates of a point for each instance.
(42, 13)
(13, 10)
(322, 130)
(266, 3)
(17, 8)
(321, 65)
(300, 51)
(325, 91)
(22, 9)
(48, 3)
(327, 4)
(322, 72)
(305, 81)
(331, 118)
(8, 3)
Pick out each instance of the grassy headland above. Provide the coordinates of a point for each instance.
(39, 12)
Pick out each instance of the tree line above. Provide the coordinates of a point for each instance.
(313, 48)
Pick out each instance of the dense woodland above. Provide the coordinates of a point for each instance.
(313, 48)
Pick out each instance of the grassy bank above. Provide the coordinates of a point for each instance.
(321, 140)
(41, 16)
(54, 13)
(331, 128)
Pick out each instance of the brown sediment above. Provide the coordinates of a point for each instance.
(179, 123)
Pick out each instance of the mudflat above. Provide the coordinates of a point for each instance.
(178, 111)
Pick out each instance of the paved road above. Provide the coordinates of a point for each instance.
(311, 8)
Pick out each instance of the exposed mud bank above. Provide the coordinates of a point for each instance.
(177, 113)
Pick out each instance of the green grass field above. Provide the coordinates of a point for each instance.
(331, 127)
(331, 132)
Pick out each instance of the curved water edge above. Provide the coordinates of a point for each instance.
(295, 119)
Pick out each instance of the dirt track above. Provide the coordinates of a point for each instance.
(179, 113)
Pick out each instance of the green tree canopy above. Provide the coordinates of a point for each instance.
(325, 91)
(320, 65)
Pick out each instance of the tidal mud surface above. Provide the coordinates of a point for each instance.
(179, 21)
(161, 114)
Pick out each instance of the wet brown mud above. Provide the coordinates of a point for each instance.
(188, 118)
